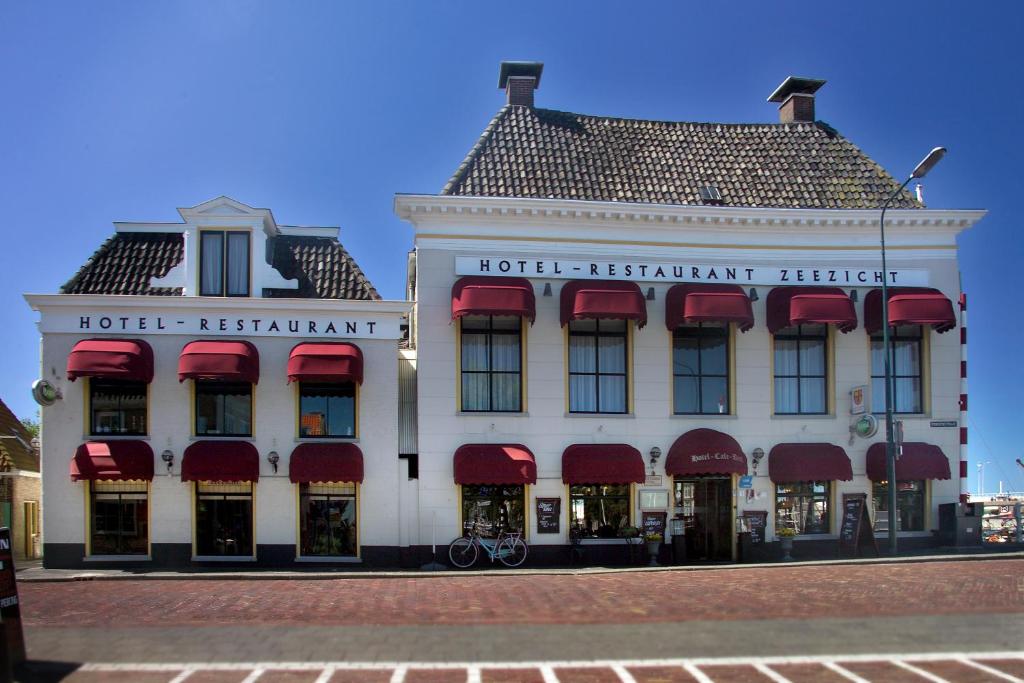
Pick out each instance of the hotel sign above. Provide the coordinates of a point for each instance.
(649, 271)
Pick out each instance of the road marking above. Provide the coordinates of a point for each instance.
(398, 675)
(770, 673)
(548, 674)
(182, 676)
(254, 676)
(623, 675)
(845, 673)
(325, 675)
(991, 671)
(473, 674)
(697, 674)
(920, 672)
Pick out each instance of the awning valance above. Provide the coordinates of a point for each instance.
(604, 463)
(692, 303)
(789, 306)
(326, 362)
(490, 463)
(230, 361)
(480, 295)
(705, 451)
(919, 461)
(114, 460)
(603, 299)
(790, 462)
(127, 359)
(322, 462)
(220, 461)
(909, 306)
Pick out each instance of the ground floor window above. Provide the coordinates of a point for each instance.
(803, 506)
(909, 503)
(599, 510)
(327, 519)
(224, 519)
(494, 508)
(119, 518)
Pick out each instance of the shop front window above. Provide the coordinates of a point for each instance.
(599, 510)
(327, 409)
(700, 369)
(223, 408)
(803, 506)
(905, 363)
(909, 503)
(224, 519)
(493, 508)
(598, 381)
(327, 519)
(801, 383)
(491, 359)
(119, 518)
(116, 407)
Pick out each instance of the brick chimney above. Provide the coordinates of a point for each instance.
(797, 99)
(519, 80)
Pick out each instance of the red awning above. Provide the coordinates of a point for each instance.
(602, 299)
(606, 463)
(326, 362)
(320, 462)
(693, 303)
(800, 305)
(789, 462)
(479, 295)
(113, 460)
(221, 461)
(909, 306)
(491, 463)
(705, 451)
(129, 359)
(235, 361)
(919, 461)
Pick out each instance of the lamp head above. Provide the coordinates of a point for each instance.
(928, 163)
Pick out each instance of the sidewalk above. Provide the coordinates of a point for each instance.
(37, 574)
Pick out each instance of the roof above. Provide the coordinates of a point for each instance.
(127, 262)
(542, 153)
(16, 453)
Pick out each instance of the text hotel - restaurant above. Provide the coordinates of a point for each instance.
(638, 323)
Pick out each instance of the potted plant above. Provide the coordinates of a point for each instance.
(786, 536)
(653, 542)
(630, 533)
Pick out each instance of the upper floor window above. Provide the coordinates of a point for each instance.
(905, 361)
(700, 369)
(224, 263)
(116, 407)
(223, 408)
(801, 370)
(598, 377)
(327, 409)
(491, 363)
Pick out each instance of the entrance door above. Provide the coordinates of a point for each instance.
(706, 504)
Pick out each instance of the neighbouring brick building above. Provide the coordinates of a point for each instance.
(20, 490)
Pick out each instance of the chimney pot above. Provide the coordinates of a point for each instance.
(519, 80)
(796, 96)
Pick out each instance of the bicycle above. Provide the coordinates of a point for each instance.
(509, 548)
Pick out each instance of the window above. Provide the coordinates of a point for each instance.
(491, 363)
(599, 510)
(700, 369)
(803, 506)
(327, 409)
(905, 363)
(119, 518)
(909, 503)
(224, 269)
(327, 519)
(801, 370)
(223, 518)
(597, 366)
(116, 407)
(494, 507)
(223, 408)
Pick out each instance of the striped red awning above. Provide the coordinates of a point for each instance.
(606, 463)
(480, 295)
(221, 461)
(909, 306)
(326, 462)
(695, 303)
(115, 460)
(326, 362)
(705, 451)
(127, 359)
(918, 461)
(788, 306)
(602, 299)
(490, 463)
(790, 462)
(233, 361)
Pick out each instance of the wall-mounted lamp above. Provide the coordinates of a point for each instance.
(547, 289)
(853, 295)
(650, 293)
(168, 457)
(758, 455)
(753, 294)
(273, 458)
(654, 454)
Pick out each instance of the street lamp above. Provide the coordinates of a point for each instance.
(920, 171)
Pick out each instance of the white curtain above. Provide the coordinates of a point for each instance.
(238, 264)
(213, 259)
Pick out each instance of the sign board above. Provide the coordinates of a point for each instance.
(859, 400)
(652, 480)
(653, 500)
(12, 647)
(747, 481)
(757, 520)
(855, 527)
(944, 423)
(651, 271)
(653, 523)
(549, 512)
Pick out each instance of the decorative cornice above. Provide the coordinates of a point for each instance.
(41, 302)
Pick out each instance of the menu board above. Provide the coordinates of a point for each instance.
(757, 520)
(549, 511)
(10, 609)
(654, 523)
(855, 527)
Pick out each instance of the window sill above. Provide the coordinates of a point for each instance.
(603, 416)
(904, 534)
(491, 413)
(223, 558)
(220, 437)
(809, 416)
(327, 439)
(604, 541)
(117, 558)
(117, 437)
(331, 559)
(703, 416)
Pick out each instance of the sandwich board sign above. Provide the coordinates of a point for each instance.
(12, 639)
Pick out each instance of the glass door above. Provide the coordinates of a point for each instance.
(706, 506)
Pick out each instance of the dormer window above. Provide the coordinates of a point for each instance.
(224, 257)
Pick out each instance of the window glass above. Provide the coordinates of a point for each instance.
(597, 366)
(800, 366)
(238, 264)
(327, 409)
(905, 364)
(117, 407)
(803, 506)
(223, 518)
(491, 359)
(223, 408)
(327, 519)
(492, 508)
(599, 510)
(700, 362)
(119, 523)
(224, 269)
(211, 272)
(910, 509)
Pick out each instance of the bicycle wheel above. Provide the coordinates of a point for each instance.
(512, 551)
(463, 552)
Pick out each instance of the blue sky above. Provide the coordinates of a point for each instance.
(321, 111)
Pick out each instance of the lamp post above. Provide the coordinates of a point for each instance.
(920, 171)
